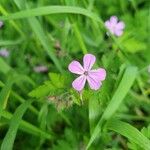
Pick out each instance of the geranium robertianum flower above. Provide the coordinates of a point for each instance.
(93, 77)
(1, 24)
(114, 26)
(4, 52)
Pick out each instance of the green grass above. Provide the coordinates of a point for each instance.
(42, 110)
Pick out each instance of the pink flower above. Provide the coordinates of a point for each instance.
(40, 69)
(114, 26)
(93, 77)
(4, 53)
(1, 24)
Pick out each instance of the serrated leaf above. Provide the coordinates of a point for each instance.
(57, 80)
(42, 90)
(55, 86)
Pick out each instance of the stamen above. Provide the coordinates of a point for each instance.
(86, 73)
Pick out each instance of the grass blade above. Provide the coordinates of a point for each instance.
(4, 67)
(28, 127)
(123, 88)
(38, 30)
(9, 139)
(79, 38)
(6, 43)
(4, 12)
(51, 10)
(4, 94)
(47, 10)
(22, 100)
(94, 111)
(36, 27)
(130, 132)
(20, 3)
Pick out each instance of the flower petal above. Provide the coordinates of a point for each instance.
(118, 32)
(97, 74)
(79, 83)
(88, 61)
(112, 30)
(93, 83)
(108, 24)
(120, 25)
(75, 67)
(113, 20)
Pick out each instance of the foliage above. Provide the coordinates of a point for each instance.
(41, 110)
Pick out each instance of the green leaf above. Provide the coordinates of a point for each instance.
(13, 24)
(47, 10)
(56, 84)
(28, 127)
(129, 132)
(4, 68)
(79, 38)
(1, 84)
(146, 132)
(123, 88)
(38, 30)
(6, 43)
(4, 94)
(133, 46)
(22, 100)
(94, 111)
(68, 142)
(42, 90)
(51, 10)
(20, 3)
(19, 98)
(57, 80)
(9, 139)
